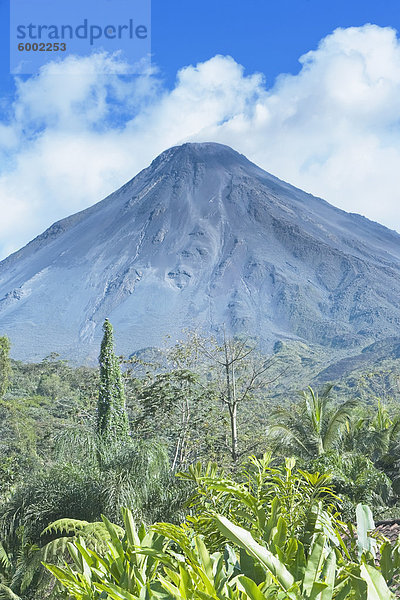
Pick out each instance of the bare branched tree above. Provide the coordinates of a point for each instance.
(241, 371)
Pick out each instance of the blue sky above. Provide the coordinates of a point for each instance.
(263, 35)
(304, 88)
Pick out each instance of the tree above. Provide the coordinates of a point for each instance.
(177, 402)
(5, 367)
(315, 428)
(379, 436)
(376, 435)
(112, 420)
(240, 372)
(170, 403)
(356, 479)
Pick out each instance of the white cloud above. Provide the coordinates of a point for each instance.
(333, 129)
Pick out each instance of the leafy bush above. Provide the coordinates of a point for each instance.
(171, 562)
(259, 491)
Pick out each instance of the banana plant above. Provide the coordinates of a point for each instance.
(173, 563)
(365, 524)
(317, 577)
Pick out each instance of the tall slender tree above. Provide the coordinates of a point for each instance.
(112, 419)
(5, 367)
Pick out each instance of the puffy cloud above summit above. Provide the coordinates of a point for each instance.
(75, 132)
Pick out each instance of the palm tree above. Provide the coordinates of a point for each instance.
(356, 479)
(312, 428)
(377, 436)
(21, 574)
(136, 475)
(380, 437)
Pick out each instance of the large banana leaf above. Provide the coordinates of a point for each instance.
(279, 573)
(376, 585)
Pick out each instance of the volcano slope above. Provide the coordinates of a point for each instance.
(202, 237)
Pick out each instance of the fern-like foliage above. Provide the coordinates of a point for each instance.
(95, 536)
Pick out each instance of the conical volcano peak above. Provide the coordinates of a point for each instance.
(202, 237)
(202, 151)
(209, 154)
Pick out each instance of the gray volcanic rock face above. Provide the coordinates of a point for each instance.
(200, 238)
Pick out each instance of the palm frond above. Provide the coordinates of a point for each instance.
(287, 436)
(69, 526)
(335, 423)
(5, 562)
(6, 593)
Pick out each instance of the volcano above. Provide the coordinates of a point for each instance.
(201, 239)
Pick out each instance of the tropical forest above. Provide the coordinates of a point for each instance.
(201, 470)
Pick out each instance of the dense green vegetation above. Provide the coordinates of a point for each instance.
(272, 560)
(165, 437)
